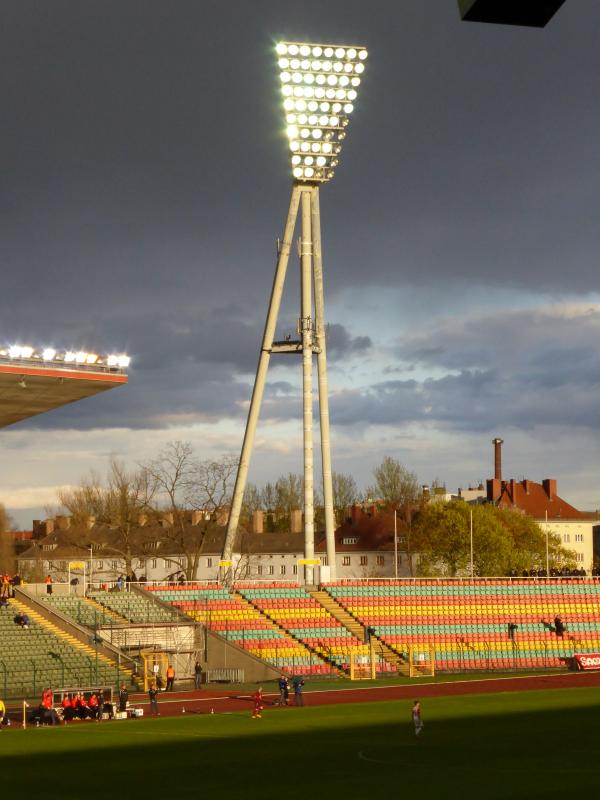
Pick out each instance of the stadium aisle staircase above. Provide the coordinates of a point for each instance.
(231, 616)
(392, 660)
(44, 654)
(301, 616)
(467, 620)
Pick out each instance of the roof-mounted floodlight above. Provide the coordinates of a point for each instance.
(319, 84)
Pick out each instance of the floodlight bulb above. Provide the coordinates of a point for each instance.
(296, 160)
(294, 146)
(123, 361)
(348, 67)
(290, 119)
(348, 108)
(340, 52)
(309, 91)
(285, 77)
(14, 351)
(332, 80)
(327, 147)
(298, 172)
(328, 52)
(338, 66)
(70, 356)
(351, 95)
(351, 54)
(309, 78)
(287, 90)
(363, 54)
(317, 51)
(324, 106)
(300, 105)
(315, 147)
(112, 361)
(91, 358)
(355, 81)
(81, 357)
(309, 160)
(319, 92)
(313, 119)
(313, 106)
(359, 68)
(48, 353)
(296, 77)
(308, 172)
(305, 64)
(284, 63)
(298, 91)
(344, 80)
(293, 49)
(295, 63)
(292, 132)
(317, 133)
(305, 50)
(302, 119)
(281, 48)
(305, 147)
(26, 352)
(323, 120)
(336, 108)
(327, 66)
(340, 94)
(320, 79)
(334, 121)
(321, 161)
(305, 133)
(316, 66)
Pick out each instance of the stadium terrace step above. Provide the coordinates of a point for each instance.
(359, 630)
(324, 654)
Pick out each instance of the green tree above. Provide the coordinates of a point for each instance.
(345, 494)
(503, 541)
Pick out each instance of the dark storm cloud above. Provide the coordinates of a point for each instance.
(145, 180)
(520, 369)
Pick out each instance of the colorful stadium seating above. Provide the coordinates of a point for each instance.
(233, 617)
(467, 620)
(293, 608)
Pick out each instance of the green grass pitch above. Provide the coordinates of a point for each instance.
(517, 745)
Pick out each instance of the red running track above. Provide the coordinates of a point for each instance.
(222, 702)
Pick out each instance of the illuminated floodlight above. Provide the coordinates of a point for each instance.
(48, 354)
(20, 351)
(319, 85)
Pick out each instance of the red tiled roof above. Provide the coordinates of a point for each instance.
(537, 500)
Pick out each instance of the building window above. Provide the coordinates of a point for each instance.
(345, 561)
(295, 569)
(153, 563)
(324, 561)
(380, 560)
(282, 569)
(99, 564)
(350, 540)
(167, 563)
(580, 557)
(115, 565)
(579, 537)
(259, 569)
(364, 560)
(566, 538)
(209, 562)
(271, 570)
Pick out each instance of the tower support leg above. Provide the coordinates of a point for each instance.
(259, 382)
(323, 387)
(306, 330)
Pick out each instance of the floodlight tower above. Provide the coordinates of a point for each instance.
(319, 85)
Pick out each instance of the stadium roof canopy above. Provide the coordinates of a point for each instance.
(29, 387)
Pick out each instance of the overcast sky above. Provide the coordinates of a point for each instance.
(145, 179)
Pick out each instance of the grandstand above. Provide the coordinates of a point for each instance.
(43, 654)
(233, 617)
(465, 621)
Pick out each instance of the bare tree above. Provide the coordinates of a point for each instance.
(345, 494)
(7, 543)
(395, 485)
(184, 483)
(117, 504)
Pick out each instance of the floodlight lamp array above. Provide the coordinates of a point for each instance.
(319, 85)
(77, 358)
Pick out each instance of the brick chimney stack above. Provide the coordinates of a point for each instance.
(498, 458)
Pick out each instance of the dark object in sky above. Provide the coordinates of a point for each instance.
(534, 13)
